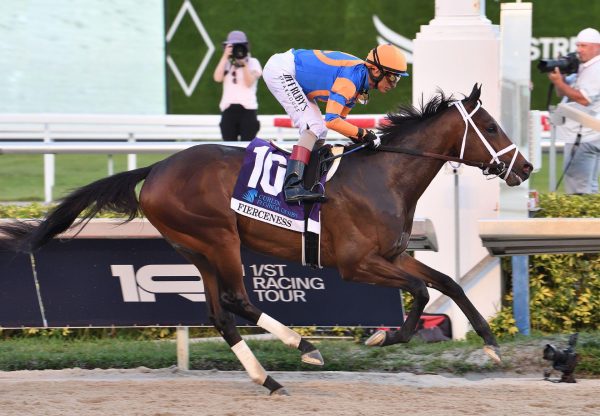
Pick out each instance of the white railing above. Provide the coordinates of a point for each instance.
(51, 134)
(15, 127)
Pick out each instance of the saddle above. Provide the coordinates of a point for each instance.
(257, 196)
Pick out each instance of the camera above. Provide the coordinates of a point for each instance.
(562, 360)
(239, 51)
(567, 64)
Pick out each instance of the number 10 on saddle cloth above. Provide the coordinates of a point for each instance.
(258, 190)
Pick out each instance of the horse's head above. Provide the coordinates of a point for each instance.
(484, 141)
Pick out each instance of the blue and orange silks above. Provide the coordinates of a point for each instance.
(336, 78)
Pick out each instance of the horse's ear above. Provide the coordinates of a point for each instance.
(475, 93)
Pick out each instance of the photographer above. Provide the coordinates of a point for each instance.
(582, 145)
(239, 72)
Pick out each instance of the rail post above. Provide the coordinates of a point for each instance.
(183, 348)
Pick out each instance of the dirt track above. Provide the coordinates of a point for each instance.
(170, 392)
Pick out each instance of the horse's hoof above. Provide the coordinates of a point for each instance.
(376, 340)
(279, 392)
(313, 357)
(493, 352)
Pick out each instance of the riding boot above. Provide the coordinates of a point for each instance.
(293, 187)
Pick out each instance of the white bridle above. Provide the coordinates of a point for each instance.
(467, 117)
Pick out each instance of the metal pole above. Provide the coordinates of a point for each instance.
(183, 348)
(49, 170)
(552, 153)
(457, 275)
(132, 157)
(111, 165)
(520, 266)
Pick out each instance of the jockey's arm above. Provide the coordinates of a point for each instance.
(336, 122)
(342, 91)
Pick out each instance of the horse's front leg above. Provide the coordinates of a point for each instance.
(454, 291)
(374, 269)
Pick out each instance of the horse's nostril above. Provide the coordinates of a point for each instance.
(527, 168)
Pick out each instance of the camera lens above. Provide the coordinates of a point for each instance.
(239, 51)
(566, 64)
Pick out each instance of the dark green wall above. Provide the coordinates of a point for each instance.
(275, 26)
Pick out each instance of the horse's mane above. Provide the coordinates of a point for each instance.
(408, 115)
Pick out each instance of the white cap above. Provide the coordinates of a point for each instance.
(588, 35)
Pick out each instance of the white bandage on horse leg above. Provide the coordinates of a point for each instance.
(254, 369)
(285, 334)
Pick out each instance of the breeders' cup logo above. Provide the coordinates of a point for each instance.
(249, 195)
(141, 286)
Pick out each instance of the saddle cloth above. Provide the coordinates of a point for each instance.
(258, 190)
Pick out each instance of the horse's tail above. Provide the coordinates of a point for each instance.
(115, 193)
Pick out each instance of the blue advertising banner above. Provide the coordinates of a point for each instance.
(127, 282)
(18, 301)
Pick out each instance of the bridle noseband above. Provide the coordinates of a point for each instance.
(468, 119)
(495, 167)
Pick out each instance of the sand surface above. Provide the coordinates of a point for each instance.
(172, 392)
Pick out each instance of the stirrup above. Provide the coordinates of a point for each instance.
(293, 187)
(296, 193)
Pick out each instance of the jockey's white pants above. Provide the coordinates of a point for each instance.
(279, 74)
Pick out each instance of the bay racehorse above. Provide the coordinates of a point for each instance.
(366, 222)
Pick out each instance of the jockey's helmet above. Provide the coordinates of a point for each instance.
(388, 59)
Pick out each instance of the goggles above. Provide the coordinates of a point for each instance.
(392, 77)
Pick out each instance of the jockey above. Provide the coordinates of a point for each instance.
(300, 77)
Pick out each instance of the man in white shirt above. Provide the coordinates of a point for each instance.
(582, 144)
(239, 72)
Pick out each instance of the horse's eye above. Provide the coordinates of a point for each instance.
(491, 129)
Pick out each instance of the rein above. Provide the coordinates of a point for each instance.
(494, 167)
(490, 167)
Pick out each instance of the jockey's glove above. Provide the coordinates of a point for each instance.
(368, 136)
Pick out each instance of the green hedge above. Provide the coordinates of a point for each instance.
(564, 290)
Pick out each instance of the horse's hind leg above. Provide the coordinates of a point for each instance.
(234, 298)
(224, 322)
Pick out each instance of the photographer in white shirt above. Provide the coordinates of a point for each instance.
(582, 144)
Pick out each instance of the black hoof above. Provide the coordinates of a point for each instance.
(279, 392)
(310, 355)
(275, 389)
